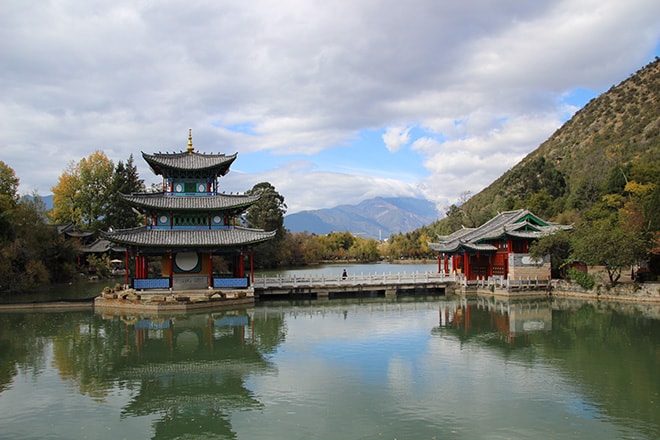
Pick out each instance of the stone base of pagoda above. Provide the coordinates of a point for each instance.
(165, 301)
(190, 282)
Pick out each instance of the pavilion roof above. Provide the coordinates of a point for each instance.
(189, 161)
(100, 246)
(71, 230)
(217, 202)
(520, 223)
(188, 238)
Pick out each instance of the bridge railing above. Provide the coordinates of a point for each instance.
(265, 282)
(502, 283)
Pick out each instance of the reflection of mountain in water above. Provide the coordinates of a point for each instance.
(191, 371)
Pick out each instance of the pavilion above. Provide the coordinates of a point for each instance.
(188, 223)
(499, 247)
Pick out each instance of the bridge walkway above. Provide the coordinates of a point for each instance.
(333, 285)
(389, 284)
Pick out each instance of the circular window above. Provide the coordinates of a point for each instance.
(163, 219)
(186, 261)
(217, 219)
(201, 188)
(178, 188)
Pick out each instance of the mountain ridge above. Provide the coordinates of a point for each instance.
(377, 218)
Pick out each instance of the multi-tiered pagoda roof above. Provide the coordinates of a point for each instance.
(190, 212)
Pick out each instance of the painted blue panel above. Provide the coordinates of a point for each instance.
(151, 283)
(230, 282)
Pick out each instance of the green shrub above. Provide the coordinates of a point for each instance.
(585, 280)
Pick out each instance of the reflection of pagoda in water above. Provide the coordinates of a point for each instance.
(191, 371)
(508, 320)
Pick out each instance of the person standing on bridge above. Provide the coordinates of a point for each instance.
(344, 274)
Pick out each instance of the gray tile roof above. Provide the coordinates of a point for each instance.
(219, 202)
(505, 224)
(101, 246)
(189, 161)
(188, 238)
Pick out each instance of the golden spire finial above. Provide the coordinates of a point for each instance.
(190, 145)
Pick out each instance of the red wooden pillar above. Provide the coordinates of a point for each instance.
(252, 265)
(446, 264)
(137, 267)
(506, 261)
(466, 265)
(241, 265)
(439, 263)
(143, 267)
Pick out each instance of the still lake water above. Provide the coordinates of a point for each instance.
(397, 368)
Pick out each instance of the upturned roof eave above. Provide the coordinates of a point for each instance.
(143, 236)
(158, 201)
(456, 247)
(177, 161)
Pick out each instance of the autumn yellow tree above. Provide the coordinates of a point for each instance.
(81, 195)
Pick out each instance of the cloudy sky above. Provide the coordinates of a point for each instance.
(330, 101)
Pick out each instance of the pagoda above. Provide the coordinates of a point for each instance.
(188, 223)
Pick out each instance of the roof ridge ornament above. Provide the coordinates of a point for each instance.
(190, 147)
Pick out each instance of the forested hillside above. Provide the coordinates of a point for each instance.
(614, 138)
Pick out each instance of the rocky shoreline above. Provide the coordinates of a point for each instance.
(624, 292)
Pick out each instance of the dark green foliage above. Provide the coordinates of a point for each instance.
(534, 176)
(585, 280)
(607, 242)
(616, 181)
(125, 180)
(33, 254)
(558, 246)
(267, 214)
